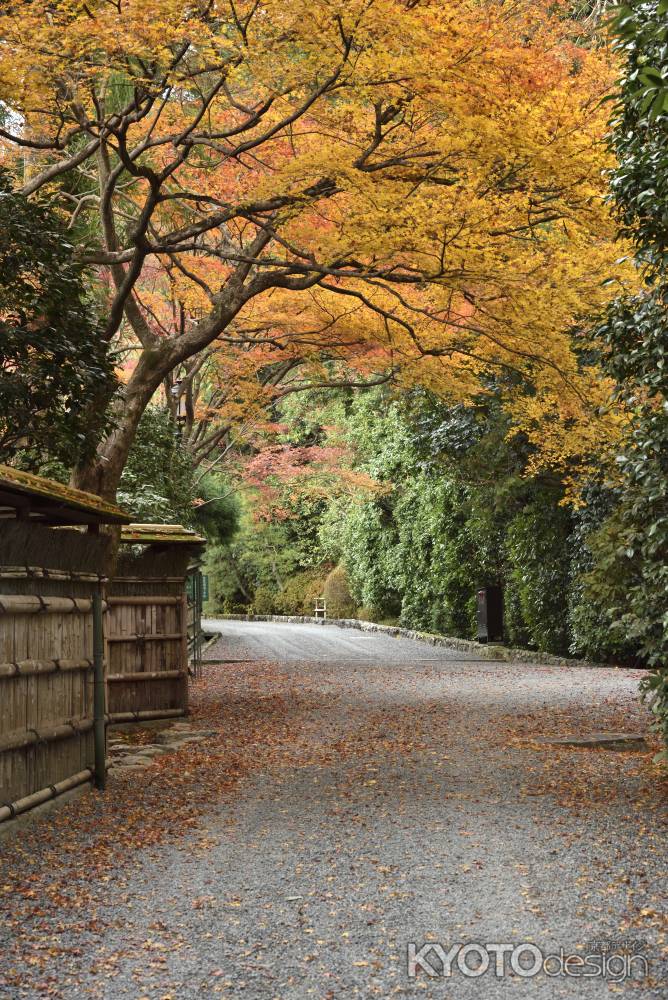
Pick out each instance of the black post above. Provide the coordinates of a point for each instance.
(99, 706)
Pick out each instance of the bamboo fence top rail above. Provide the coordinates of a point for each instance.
(51, 502)
(33, 604)
(123, 579)
(44, 573)
(160, 534)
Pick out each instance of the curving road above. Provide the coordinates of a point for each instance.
(384, 793)
(293, 641)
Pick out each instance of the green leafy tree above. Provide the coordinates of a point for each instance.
(639, 138)
(54, 365)
(158, 482)
(598, 579)
(634, 550)
(461, 513)
(538, 575)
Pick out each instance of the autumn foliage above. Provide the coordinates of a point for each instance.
(411, 189)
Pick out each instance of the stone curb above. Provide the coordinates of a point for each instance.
(493, 651)
(211, 641)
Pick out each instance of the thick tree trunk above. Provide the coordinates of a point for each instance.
(103, 473)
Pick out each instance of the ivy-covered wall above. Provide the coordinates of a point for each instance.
(460, 514)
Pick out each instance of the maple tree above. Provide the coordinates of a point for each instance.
(281, 474)
(425, 177)
(226, 398)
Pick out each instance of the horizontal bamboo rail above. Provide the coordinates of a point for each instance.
(159, 579)
(32, 604)
(42, 573)
(148, 675)
(143, 601)
(29, 668)
(28, 737)
(160, 713)
(8, 810)
(144, 637)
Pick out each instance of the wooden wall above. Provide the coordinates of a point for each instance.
(146, 636)
(46, 652)
(46, 680)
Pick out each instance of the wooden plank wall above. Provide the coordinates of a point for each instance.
(146, 640)
(46, 681)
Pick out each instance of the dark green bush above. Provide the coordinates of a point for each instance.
(538, 575)
(300, 592)
(336, 591)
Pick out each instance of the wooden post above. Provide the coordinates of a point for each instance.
(99, 707)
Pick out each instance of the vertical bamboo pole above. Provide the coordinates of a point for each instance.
(198, 620)
(99, 692)
(184, 649)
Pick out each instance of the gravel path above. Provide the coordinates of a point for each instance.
(363, 792)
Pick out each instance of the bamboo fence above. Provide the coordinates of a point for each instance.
(78, 651)
(47, 655)
(146, 630)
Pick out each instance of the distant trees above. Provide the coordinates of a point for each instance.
(460, 510)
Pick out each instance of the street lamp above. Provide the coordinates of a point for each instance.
(181, 411)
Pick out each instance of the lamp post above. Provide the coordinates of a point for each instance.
(181, 412)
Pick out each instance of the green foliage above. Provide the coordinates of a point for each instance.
(258, 568)
(405, 552)
(655, 690)
(460, 515)
(340, 602)
(632, 550)
(217, 509)
(363, 534)
(256, 564)
(56, 376)
(598, 580)
(631, 569)
(366, 613)
(538, 577)
(608, 583)
(264, 601)
(300, 592)
(227, 592)
(640, 128)
(158, 484)
(437, 555)
(424, 549)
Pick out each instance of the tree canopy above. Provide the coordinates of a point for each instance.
(413, 185)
